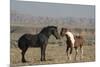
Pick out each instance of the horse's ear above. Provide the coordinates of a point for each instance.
(56, 26)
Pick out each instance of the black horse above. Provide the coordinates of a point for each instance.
(38, 40)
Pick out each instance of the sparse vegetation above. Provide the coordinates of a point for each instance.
(53, 48)
(52, 55)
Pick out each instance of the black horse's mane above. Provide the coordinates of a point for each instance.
(45, 29)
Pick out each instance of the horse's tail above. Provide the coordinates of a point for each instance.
(14, 43)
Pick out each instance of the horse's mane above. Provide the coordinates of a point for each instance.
(45, 29)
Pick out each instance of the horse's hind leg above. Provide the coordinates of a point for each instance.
(81, 52)
(76, 52)
(23, 54)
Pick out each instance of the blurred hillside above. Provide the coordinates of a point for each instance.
(19, 19)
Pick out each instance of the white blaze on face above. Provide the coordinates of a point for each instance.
(71, 37)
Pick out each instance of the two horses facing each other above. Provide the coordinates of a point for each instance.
(40, 40)
(72, 42)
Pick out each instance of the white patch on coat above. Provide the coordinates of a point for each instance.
(71, 37)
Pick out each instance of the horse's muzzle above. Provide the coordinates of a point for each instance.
(58, 37)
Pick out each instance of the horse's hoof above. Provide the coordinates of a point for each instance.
(75, 59)
(69, 58)
(81, 58)
(43, 60)
(24, 61)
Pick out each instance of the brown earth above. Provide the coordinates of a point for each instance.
(54, 54)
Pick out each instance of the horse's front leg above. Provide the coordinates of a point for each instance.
(71, 49)
(67, 52)
(43, 48)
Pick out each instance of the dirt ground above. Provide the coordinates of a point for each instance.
(55, 54)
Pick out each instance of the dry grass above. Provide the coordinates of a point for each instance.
(54, 54)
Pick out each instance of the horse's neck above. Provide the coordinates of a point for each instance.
(46, 34)
(69, 34)
(70, 37)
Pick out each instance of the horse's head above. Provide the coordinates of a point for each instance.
(54, 31)
(63, 31)
(51, 30)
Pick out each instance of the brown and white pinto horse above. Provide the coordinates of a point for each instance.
(72, 42)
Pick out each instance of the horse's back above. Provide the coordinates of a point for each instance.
(27, 37)
(30, 40)
(79, 41)
(27, 40)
